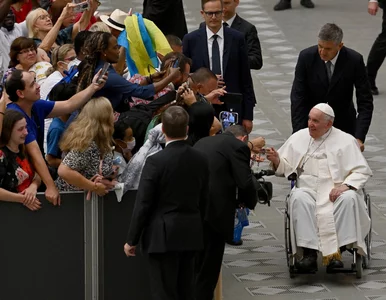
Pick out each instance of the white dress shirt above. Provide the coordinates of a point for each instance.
(220, 41)
(333, 63)
(230, 21)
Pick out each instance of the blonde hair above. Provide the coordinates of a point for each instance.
(99, 26)
(31, 18)
(94, 123)
(58, 55)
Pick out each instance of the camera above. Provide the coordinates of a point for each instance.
(264, 189)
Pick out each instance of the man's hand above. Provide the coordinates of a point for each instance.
(129, 250)
(52, 195)
(361, 145)
(213, 96)
(99, 84)
(336, 192)
(272, 156)
(257, 144)
(248, 125)
(189, 97)
(220, 82)
(372, 8)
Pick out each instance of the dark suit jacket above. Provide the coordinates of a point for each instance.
(173, 185)
(237, 74)
(253, 43)
(168, 15)
(311, 87)
(228, 168)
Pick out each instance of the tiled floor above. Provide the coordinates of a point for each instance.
(258, 268)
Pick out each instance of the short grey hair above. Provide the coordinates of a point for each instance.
(237, 130)
(328, 118)
(331, 32)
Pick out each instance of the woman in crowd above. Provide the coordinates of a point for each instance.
(87, 144)
(101, 48)
(60, 59)
(25, 56)
(18, 180)
(124, 143)
(48, 35)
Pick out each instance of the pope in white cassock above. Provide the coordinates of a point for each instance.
(327, 207)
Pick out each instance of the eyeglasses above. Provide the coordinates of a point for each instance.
(28, 50)
(44, 17)
(70, 58)
(213, 13)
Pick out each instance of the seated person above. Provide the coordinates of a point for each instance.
(88, 151)
(124, 143)
(326, 206)
(18, 180)
(60, 92)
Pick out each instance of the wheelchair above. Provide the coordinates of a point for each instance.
(359, 262)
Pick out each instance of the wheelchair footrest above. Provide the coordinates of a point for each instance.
(342, 270)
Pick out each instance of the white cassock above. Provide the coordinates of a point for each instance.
(322, 164)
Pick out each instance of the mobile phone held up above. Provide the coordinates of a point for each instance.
(81, 6)
(105, 67)
(228, 118)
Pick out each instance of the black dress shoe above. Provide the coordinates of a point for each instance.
(335, 264)
(233, 243)
(308, 263)
(374, 90)
(282, 5)
(307, 3)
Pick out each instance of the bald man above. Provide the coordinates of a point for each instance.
(326, 205)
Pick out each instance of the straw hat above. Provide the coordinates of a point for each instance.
(116, 20)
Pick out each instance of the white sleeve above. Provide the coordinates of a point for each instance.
(23, 28)
(376, 1)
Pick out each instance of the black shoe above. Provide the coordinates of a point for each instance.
(307, 3)
(374, 90)
(335, 264)
(233, 243)
(282, 5)
(308, 263)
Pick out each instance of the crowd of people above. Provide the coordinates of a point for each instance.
(89, 101)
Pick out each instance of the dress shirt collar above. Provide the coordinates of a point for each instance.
(333, 61)
(210, 34)
(175, 141)
(230, 21)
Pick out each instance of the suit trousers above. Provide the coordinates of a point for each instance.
(172, 275)
(377, 53)
(208, 263)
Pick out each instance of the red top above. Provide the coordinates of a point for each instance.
(23, 12)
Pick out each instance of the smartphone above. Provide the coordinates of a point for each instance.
(232, 98)
(81, 7)
(262, 151)
(175, 64)
(228, 118)
(104, 71)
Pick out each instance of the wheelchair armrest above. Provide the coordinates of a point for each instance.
(292, 177)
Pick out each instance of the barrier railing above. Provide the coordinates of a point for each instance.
(74, 251)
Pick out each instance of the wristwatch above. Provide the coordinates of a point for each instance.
(350, 187)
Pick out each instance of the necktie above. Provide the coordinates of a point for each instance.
(329, 73)
(225, 24)
(216, 65)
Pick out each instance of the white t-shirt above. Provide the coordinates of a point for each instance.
(40, 69)
(49, 83)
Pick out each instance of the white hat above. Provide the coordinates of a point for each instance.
(116, 20)
(327, 109)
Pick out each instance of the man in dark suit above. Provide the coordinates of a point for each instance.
(234, 21)
(168, 15)
(328, 73)
(174, 185)
(224, 51)
(229, 156)
(286, 4)
(378, 50)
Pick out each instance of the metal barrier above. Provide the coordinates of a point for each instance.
(74, 251)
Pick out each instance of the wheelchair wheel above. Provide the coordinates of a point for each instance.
(368, 239)
(359, 265)
(288, 248)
